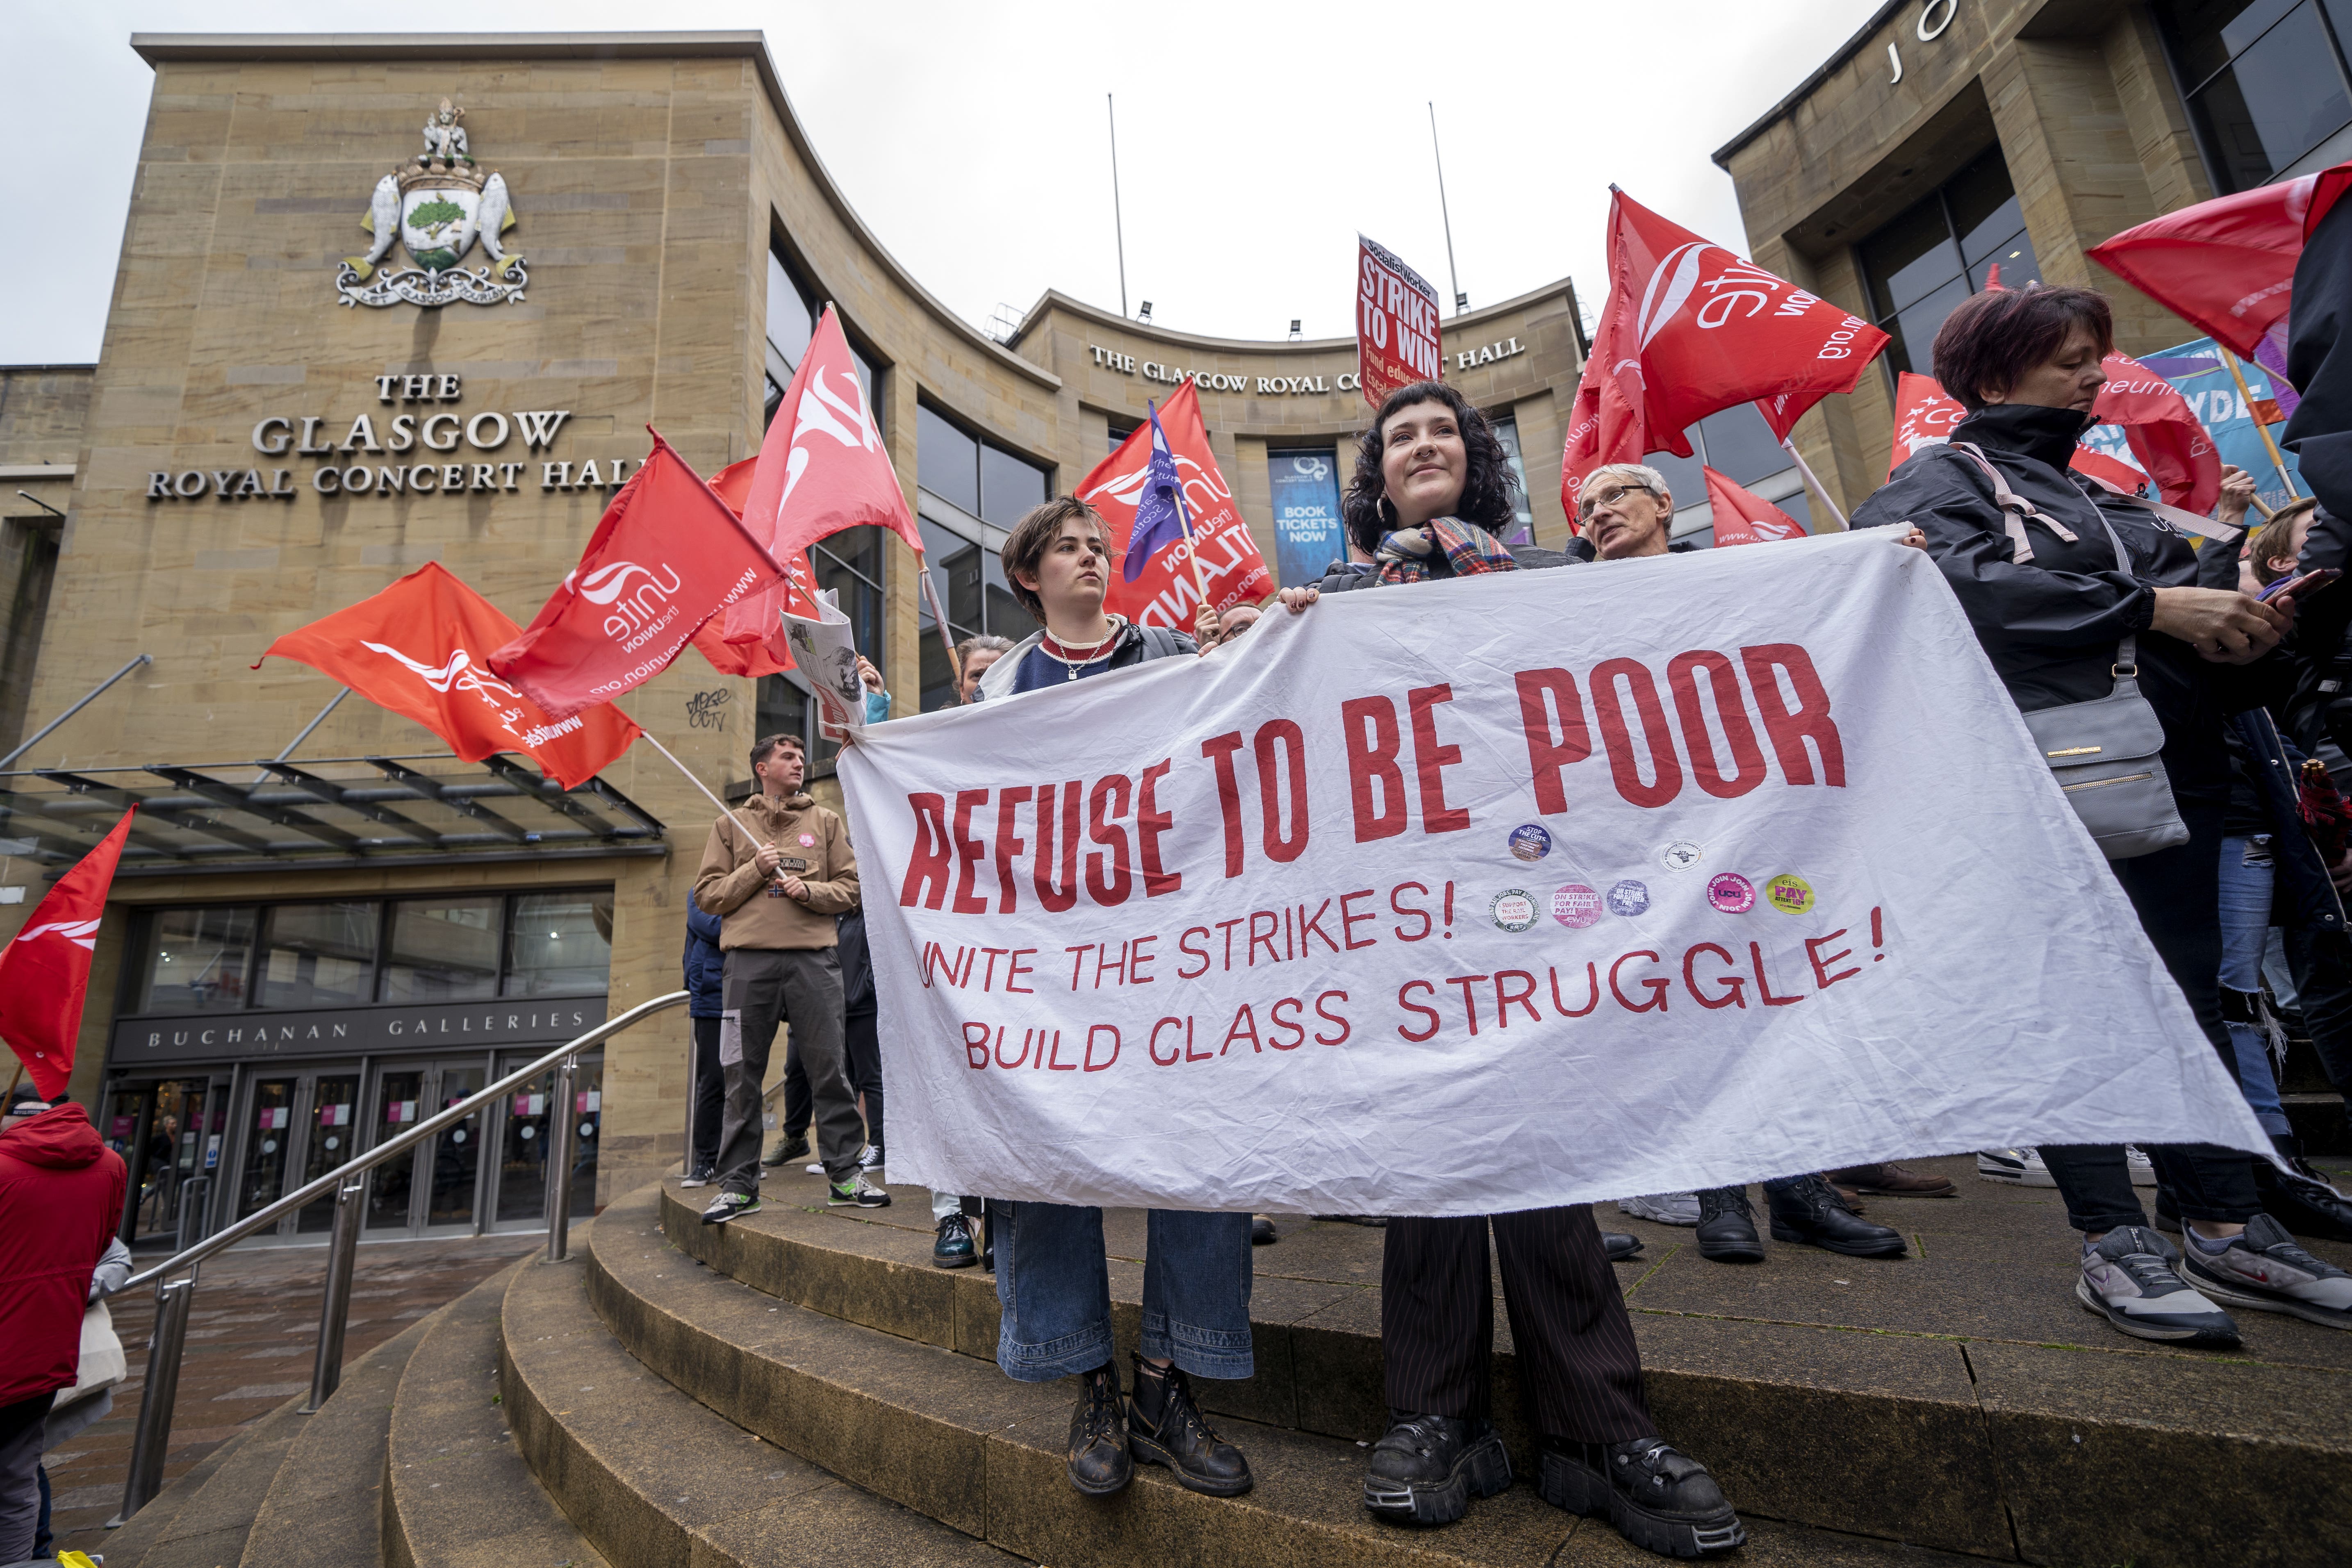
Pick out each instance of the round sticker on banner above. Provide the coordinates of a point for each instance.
(1732, 893)
(1513, 909)
(1531, 841)
(808, 840)
(1629, 897)
(1680, 855)
(1788, 893)
(1575, 906)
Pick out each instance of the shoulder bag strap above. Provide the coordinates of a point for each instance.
(2185, 520)
(2015, 508)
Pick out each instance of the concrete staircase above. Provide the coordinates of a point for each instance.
(802, 1388)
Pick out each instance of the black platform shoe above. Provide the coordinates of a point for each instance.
(1660, 1499)
(1100, 1462)
(1164, 1428)
(1426, 1469)
(1812, 1214)
(1726, 1227)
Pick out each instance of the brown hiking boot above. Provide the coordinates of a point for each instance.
(1891, 1181)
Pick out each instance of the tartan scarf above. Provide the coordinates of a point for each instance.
(1406, 554)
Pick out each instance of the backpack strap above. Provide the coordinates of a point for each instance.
(1158, 642)
(2015, 508)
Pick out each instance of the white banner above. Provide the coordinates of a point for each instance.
(1508, 891)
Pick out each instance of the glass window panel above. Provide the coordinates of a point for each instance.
(939, 681)
(1009, 486)
(1683, 481)
(1914, 330)
(1741, 446)
(1799, 506)
(399, 1107)
(2276, 102)
(561, 945)
(195, 961)
(947, 461)
(2206, 33)
(456, 1152)
(262, 1182)
(318, 955)
(961, 574)
(1523, 517)
(1119, 433)
(791, 321)
(1984, 205)
(2016, 260)
(588, 1124)
(443, 949)
(1910, 257)
(784, 709)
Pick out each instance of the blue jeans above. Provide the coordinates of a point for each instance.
(2247, 878)
(1054, 1283)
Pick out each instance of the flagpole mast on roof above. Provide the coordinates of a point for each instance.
(1118, 224)
(1460, 301)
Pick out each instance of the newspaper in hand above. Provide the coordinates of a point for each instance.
(826, 651)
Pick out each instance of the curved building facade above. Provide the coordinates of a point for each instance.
(323, 932)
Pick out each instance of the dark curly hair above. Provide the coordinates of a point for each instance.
(1489, 493)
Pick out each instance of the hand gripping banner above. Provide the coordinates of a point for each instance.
(1510, 891)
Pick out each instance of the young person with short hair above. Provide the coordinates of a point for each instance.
(777, 894)
(1052, 1277)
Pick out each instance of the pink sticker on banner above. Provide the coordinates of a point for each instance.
(1732, 893)
(1575, 905)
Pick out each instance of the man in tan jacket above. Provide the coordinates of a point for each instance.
(778, 877)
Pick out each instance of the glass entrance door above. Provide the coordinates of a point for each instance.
(330, 1132)
(169, 1134)
(433, 1187)
(528, 1119)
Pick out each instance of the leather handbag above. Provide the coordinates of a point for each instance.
(2105, 751)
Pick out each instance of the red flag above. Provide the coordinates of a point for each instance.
(1924, 416)
(418, 648)
(2227, 266)
(614, 623)
(1688, 329)
(2164, 431)
(44, 974)
(822, 467)
(732, 484)
(1165, 593)
(1396, 324)
(1742, 517)
(2108, 470)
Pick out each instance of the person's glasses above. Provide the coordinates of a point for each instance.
(1593, 498)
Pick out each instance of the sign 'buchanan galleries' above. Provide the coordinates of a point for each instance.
(1496, 893)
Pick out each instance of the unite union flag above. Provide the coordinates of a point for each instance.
(1154, 585)
(45, 973)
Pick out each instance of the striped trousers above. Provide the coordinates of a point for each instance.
(1573, 1341)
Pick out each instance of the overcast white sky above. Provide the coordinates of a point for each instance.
(1254, 138)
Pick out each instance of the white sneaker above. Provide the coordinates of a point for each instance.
(1662, 1208)
(2018, 1167)
(2143, 1168)
(2265, 1269)
(869, 1158)
(2129, 1279)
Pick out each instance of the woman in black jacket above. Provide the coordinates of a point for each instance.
(2051, 601)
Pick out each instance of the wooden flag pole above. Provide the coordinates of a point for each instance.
(1813, 480)
(14, 1078)
(1183, 519)
(724, 809)
(939, 619)
(2278, 459)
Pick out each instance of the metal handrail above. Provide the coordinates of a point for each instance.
(262, 1218)
(348, 1182)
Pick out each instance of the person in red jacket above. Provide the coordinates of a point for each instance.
(61, 1199)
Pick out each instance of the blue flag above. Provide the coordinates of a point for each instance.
(1159, 510)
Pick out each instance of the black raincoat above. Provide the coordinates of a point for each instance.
(2051, 626)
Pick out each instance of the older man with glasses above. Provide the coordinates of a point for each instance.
(1626, 511)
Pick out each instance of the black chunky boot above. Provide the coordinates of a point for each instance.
(1099, 1462)
(1427, 1467)
(1164, 1428)
(1812, 1214)
(1660, 1499)
(1726, 1227)
(1618, 1247)
(2299, 1197)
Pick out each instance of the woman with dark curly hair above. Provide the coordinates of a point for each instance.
(1432, 494)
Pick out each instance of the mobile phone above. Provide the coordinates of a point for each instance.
(2309, 583)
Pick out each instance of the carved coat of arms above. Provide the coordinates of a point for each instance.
(437, 206)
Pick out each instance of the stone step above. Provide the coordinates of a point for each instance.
(949, 1437)
(324, 1508)
(655, 1480)
(1954, 1405)
(202, 1520)
(457, 1492)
